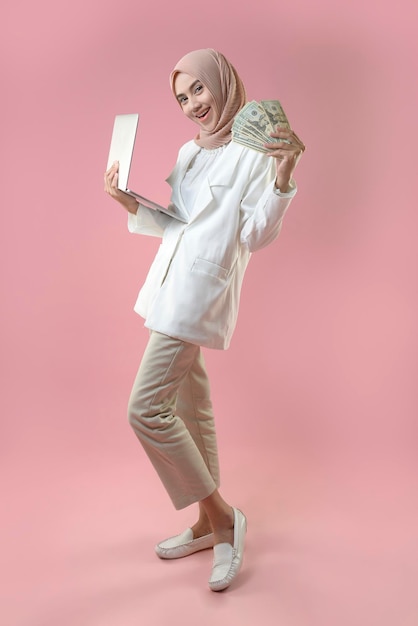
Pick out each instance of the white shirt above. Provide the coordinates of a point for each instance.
(199, 167)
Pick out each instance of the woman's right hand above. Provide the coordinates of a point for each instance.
(111, 187)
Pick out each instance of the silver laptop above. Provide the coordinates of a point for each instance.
(121, 149)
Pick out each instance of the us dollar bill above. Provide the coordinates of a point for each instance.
(254, 114)
(243, 127)
(275, 113)
(255, 121)
(246, 141)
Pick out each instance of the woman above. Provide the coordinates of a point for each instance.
(234, 200)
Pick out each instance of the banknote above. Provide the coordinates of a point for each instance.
(255, 121)
(275, 113)
(244, 128)
(255, 114)
(254, 144)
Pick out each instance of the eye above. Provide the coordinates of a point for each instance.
(182, 99)
(198, 88)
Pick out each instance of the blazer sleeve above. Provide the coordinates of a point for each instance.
(148, 222)
(263, 207)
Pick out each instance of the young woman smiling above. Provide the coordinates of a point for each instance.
(234, 199)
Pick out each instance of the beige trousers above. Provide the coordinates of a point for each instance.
(170, 411)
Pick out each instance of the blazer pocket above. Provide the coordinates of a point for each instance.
(201, 266)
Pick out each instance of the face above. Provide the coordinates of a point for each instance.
(196, 101)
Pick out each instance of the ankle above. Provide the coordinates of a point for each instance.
(224, 521)
(200, 529)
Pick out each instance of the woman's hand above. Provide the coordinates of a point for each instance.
(287, 151)
(111, 187)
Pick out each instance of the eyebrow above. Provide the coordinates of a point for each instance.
(180, 95)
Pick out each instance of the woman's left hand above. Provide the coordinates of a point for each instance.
(287, 151)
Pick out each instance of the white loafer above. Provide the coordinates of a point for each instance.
(182, 545)
(227, 559)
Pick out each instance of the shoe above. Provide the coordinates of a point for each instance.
(227, 560)
(182, 545)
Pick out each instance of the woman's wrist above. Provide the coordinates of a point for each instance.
(282, 185)
(133, 208)
(129, 203)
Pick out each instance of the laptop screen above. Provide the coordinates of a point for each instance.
(122, 145)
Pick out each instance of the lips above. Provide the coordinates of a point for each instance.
(202, 115)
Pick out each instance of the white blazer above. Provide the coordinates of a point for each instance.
(193, 287)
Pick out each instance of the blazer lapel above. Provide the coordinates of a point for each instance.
(177, 174)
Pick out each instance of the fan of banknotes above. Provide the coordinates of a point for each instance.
(255, 121)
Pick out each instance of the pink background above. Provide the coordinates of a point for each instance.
(316, 399)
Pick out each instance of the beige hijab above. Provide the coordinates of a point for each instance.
(225, 86)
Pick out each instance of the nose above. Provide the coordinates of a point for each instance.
(194, 105)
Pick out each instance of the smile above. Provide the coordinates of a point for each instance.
(202, 115)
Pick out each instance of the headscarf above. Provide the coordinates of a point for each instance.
(226, 87)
